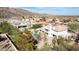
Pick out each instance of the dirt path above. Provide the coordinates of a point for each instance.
(40, 44)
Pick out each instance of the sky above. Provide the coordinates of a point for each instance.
(68, 11)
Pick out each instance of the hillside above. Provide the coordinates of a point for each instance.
(7, 12)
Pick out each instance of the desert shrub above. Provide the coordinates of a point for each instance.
(59, 45)
(63, 45)
(75, 47)
(43, 19)
(74, 26)
(66, 20)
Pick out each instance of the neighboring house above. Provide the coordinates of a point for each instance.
(21, 24)
(6, 43)
(56, 30)
(59, 30)
(37, 19)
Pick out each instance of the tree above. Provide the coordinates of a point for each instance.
(43, 19)
(5, 27)
(23, 17)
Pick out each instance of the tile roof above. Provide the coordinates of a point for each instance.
(6, 44)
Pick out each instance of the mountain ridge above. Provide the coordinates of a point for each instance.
(8, 12)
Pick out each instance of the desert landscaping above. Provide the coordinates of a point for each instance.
(28, 31)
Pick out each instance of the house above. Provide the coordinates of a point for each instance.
(57, 29)
(6, 43)
(21, 24)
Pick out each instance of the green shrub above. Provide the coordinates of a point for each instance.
(74, 26)
(35, 26)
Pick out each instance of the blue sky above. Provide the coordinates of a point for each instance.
(55, 10)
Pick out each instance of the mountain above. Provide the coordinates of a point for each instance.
(8, 12)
